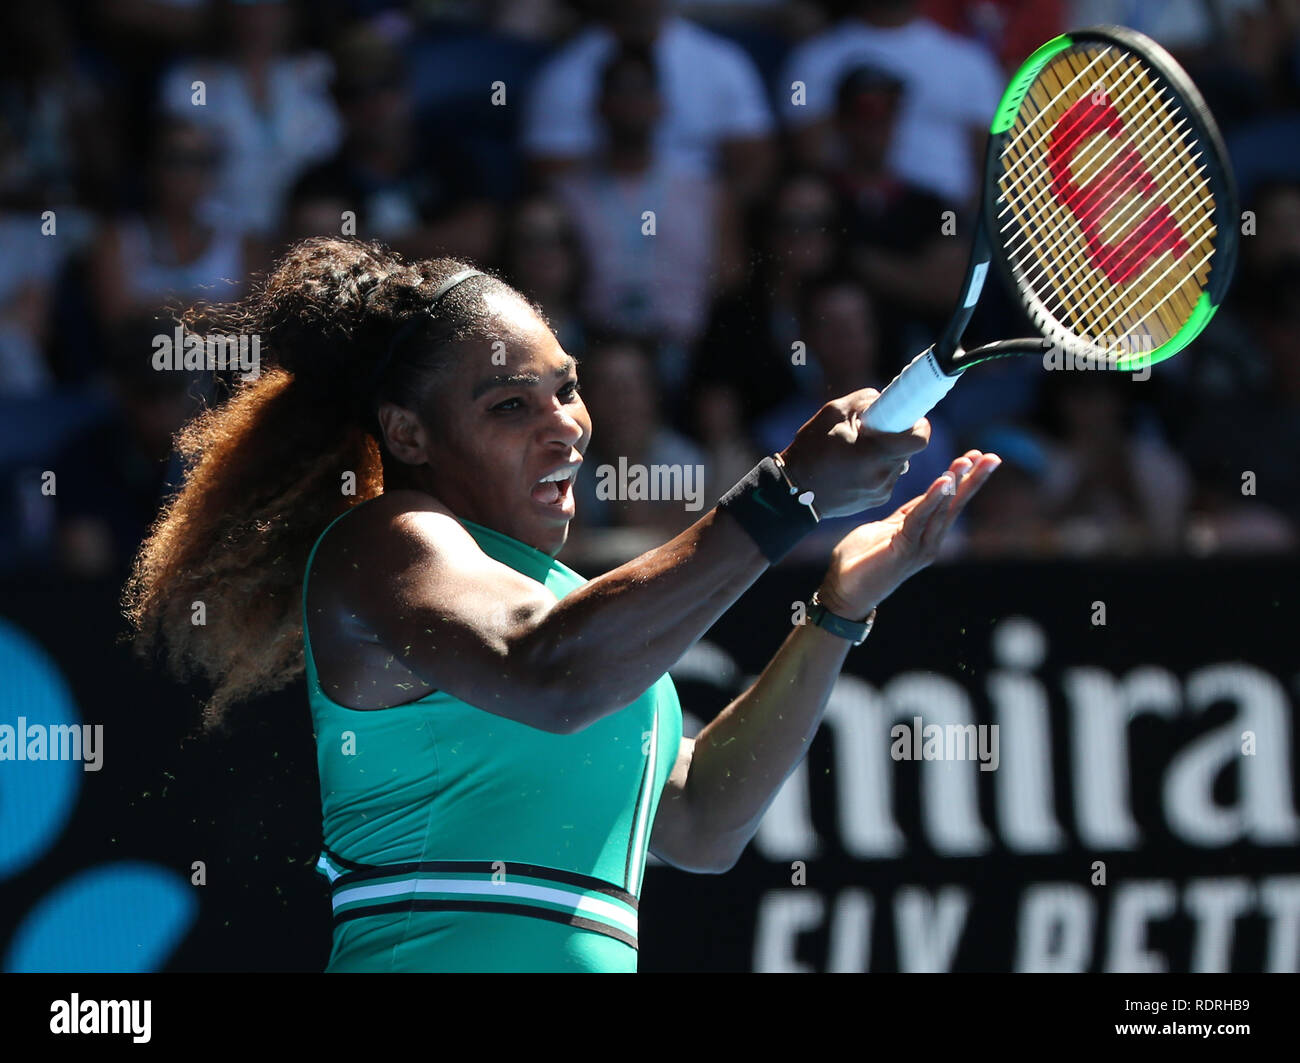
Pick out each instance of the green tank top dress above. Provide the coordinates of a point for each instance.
(458, 840)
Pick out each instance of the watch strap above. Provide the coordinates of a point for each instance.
(856, 631)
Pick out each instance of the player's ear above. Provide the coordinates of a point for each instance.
(404, 434)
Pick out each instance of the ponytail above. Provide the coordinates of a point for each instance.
(266, 470)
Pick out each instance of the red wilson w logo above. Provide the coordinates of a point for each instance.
(1091, 203)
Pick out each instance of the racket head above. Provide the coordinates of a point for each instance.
(1109, 201)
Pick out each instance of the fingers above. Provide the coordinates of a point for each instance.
(938, 524)
(889, 444)
(855, 401)
(975, 469)
(974, 480)
(955, 473)
(979, 470)
(921, 511)
(852, 406)
(898, 444)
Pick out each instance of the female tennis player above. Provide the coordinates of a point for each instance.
(498, 741)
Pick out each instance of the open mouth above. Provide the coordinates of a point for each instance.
(555, 490)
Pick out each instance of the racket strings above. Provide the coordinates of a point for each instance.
(1189, 188)
(1095, 205)
(1096, 290)
(1047, 107)
(1095, 200)
(1084, 134)
(1034, 176)
(1165, 168)
(1083, 303)
(1054, 236)
(1040, 177)
(1075, 244)
(1173, 289)
(1035, 150)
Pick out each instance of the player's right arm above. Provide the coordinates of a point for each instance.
(465, 623)
(477, 629)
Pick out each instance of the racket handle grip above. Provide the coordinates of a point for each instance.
(910, 395)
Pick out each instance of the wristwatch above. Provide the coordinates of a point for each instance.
(853, 630)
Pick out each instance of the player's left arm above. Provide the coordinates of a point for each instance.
(725, 779)
(673, 838)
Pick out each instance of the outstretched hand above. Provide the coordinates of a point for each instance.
(869, 563)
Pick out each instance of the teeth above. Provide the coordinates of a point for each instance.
(561, 474)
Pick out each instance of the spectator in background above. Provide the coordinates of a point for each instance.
(658, 283)
(54, 116)
(317, 205)
(718, 426)
(716, 116)
(1013, 520)
(1252, 84)
(951, 89)
(841, 341)
(902, 244)
(269, 106)
(1113, 485)
(142, 260)
(842, 356)
(57, 155)
(747, 346)
(113, 478)
(618, 386)
(1237, 405)
(138, 38)
(1242, 56)
(1009, 29)
(1188, 30)
(910, 248)
(541, 256)
(27, 270)
(421, 197)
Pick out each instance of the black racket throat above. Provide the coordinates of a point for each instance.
(951, 356)
(961, 359)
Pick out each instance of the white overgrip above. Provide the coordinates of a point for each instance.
(910, 395)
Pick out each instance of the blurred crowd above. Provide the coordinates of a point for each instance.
(811, 172)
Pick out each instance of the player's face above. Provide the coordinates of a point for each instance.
(509, 430)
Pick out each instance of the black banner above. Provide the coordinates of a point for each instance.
(1027, 767)
(1123, 799)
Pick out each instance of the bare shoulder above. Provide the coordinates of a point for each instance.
(406, 548)
(392, 531)
(373, 545)
(359, 567)
(404, 599)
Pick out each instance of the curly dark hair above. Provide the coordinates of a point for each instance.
(343, 325)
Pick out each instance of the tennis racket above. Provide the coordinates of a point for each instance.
(1110, 208)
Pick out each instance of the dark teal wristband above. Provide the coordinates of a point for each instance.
(763, 505)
